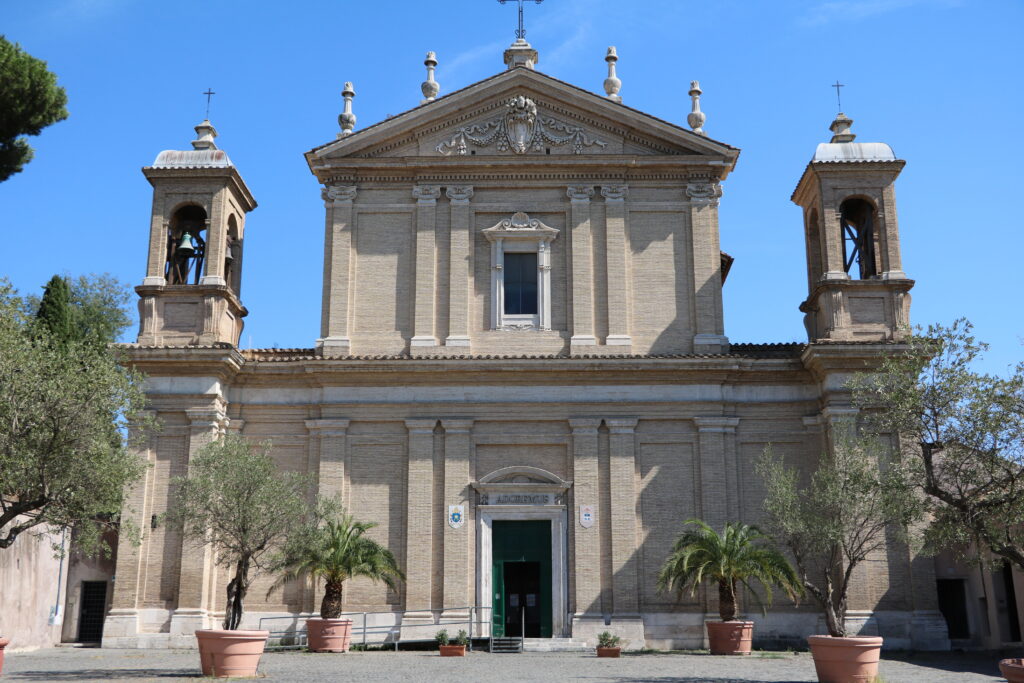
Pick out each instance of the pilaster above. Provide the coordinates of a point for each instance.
(123, 618)
(335, 337)
(713, 433)
(197, 573)
(331, 435)
(582, 270)
(617, 266)
(419, 520)
(586, 540)
(703, 195)
(460, 268)
(458, 566)
(622, 465)
(426, 256)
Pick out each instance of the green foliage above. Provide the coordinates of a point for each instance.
(857, 499)
(98, 306)
(334, 547)
(462, 638)
(30, 100)
(606, 639)
(236, 498)
(737, 555)
(54, 314)
(64, 460)
(441, 637)
(962, 437)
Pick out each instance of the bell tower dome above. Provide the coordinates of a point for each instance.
(857, 290)
(191, 293)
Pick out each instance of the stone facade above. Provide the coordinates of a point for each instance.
(613, 411)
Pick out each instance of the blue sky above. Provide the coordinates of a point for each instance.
(936, 79)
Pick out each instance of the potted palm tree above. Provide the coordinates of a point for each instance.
(730, 559)
(448, 648)
(236, 500)
(608, 645)
(335, 548)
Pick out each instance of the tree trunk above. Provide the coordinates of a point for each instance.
(727, 600)
(237, 588)
(331, 607)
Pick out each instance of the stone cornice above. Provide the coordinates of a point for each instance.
(220, 361)
(229, 174)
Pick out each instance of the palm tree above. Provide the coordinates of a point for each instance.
(337, 550)
(731, 558)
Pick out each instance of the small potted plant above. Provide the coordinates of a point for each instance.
(456, 649)
(608, 645)
(737, 555)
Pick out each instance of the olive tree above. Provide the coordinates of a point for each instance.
(65, 461)
(962, 433)
(856, 500)
(236, 499)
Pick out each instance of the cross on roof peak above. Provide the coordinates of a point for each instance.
(520, 32)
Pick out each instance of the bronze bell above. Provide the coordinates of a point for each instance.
(186, 247)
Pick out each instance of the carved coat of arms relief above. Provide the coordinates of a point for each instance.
(521, 130)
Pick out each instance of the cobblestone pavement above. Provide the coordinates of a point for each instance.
(74, 664)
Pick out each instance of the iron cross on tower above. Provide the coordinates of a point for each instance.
(837, 85)
(209, 93)
(521, 33)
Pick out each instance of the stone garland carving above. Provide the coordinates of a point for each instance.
(520, 129)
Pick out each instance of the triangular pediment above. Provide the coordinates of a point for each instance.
(520, 112)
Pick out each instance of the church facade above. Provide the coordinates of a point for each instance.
(522, 373)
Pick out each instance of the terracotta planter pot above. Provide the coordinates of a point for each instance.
(453, 650)
(608, 651)
(1012, 669)
(230, 654)
(329, 635)
(730, 637)
(845, 660)
(3, 644)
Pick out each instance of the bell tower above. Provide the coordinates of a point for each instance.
(191, 293)
(857, 290)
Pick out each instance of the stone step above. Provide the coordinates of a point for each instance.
(554, 645)
(507, 645)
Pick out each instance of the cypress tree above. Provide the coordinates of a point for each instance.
(54, 314)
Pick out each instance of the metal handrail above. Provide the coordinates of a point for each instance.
(298, 633)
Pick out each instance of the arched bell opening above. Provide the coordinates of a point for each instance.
(186, 246)
(857, 222)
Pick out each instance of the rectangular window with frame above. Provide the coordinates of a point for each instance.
(520, 283)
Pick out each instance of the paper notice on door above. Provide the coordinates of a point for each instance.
(531, 600)
(513, 600)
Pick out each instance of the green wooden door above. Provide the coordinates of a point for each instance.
(524, 548)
